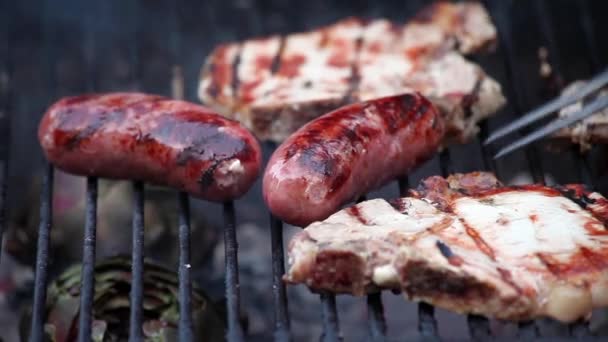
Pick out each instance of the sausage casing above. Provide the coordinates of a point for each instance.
(346, 153)
(153, 139)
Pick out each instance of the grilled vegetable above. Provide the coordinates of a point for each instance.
(111, 305)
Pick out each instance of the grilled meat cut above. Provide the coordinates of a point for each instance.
(154, 139)
(585, 133)
(468, 244)
(342, 155)
(275, 85)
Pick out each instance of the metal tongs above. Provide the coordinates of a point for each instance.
(548, 108)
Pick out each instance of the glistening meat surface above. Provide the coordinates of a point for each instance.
(344, 154)
(467, 244)
(277, 84)
(153, 139)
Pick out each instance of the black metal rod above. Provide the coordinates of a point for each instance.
(375, 317)
(281, 318)
(503, 27)
(427, 325)
(375, 310)
(546, 25)
(489, 164)
(404, 185)
(527, 331)
(185, 283)
(137, 264)
(4, 147)
(579, 330)
(479, 328)
(235, 333)
(590, 40)
(42, 255)
(445, 163)
(329, 314)
(3, 177)
(87, 288)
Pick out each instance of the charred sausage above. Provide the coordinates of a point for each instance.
(346, 153)
(152, 139)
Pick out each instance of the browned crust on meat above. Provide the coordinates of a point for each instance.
(597, 134)
(443, 191)
(277, 122)
(457, 292)
(279, 119)
(567, 287)
(218, 70)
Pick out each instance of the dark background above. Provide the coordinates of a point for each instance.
(55, 48)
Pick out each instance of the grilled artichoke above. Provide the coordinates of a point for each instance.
(111, 305)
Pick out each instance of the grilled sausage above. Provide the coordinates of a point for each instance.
(152, 139)
(345, 153)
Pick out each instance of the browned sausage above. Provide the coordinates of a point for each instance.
(152, 139)
(344, 154)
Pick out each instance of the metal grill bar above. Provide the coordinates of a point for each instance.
(527, 331)
(281, 313)
(590, 40)
(4, 118)
(3, 177)
(549, 36)
(488, 162)
(530, 329)
(592, 53)
(427, 325)
(42, 255)
(87, 287)
(137, 264)
(479, 328)
(404, 184)
(4, 143)
(185, 285)
(579, 329)
(505, 41)
(331, 325)
(445, 163)
(235, 333)
(375, 309)
(375, 313)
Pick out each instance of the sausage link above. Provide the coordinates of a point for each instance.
(152, 139)
(346, 153)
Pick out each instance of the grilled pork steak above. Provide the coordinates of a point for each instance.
(277, 84)
(467, 244)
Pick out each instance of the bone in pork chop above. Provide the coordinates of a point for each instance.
(275, 85)
(467, 244)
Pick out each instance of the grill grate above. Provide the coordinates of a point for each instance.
(4, 134)
(331, 324)
(87, 287)
(479, 327)
(375, 311)
(281, 315)
(137, 263)
(235, 333)
(185, 288)
(42, 255)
